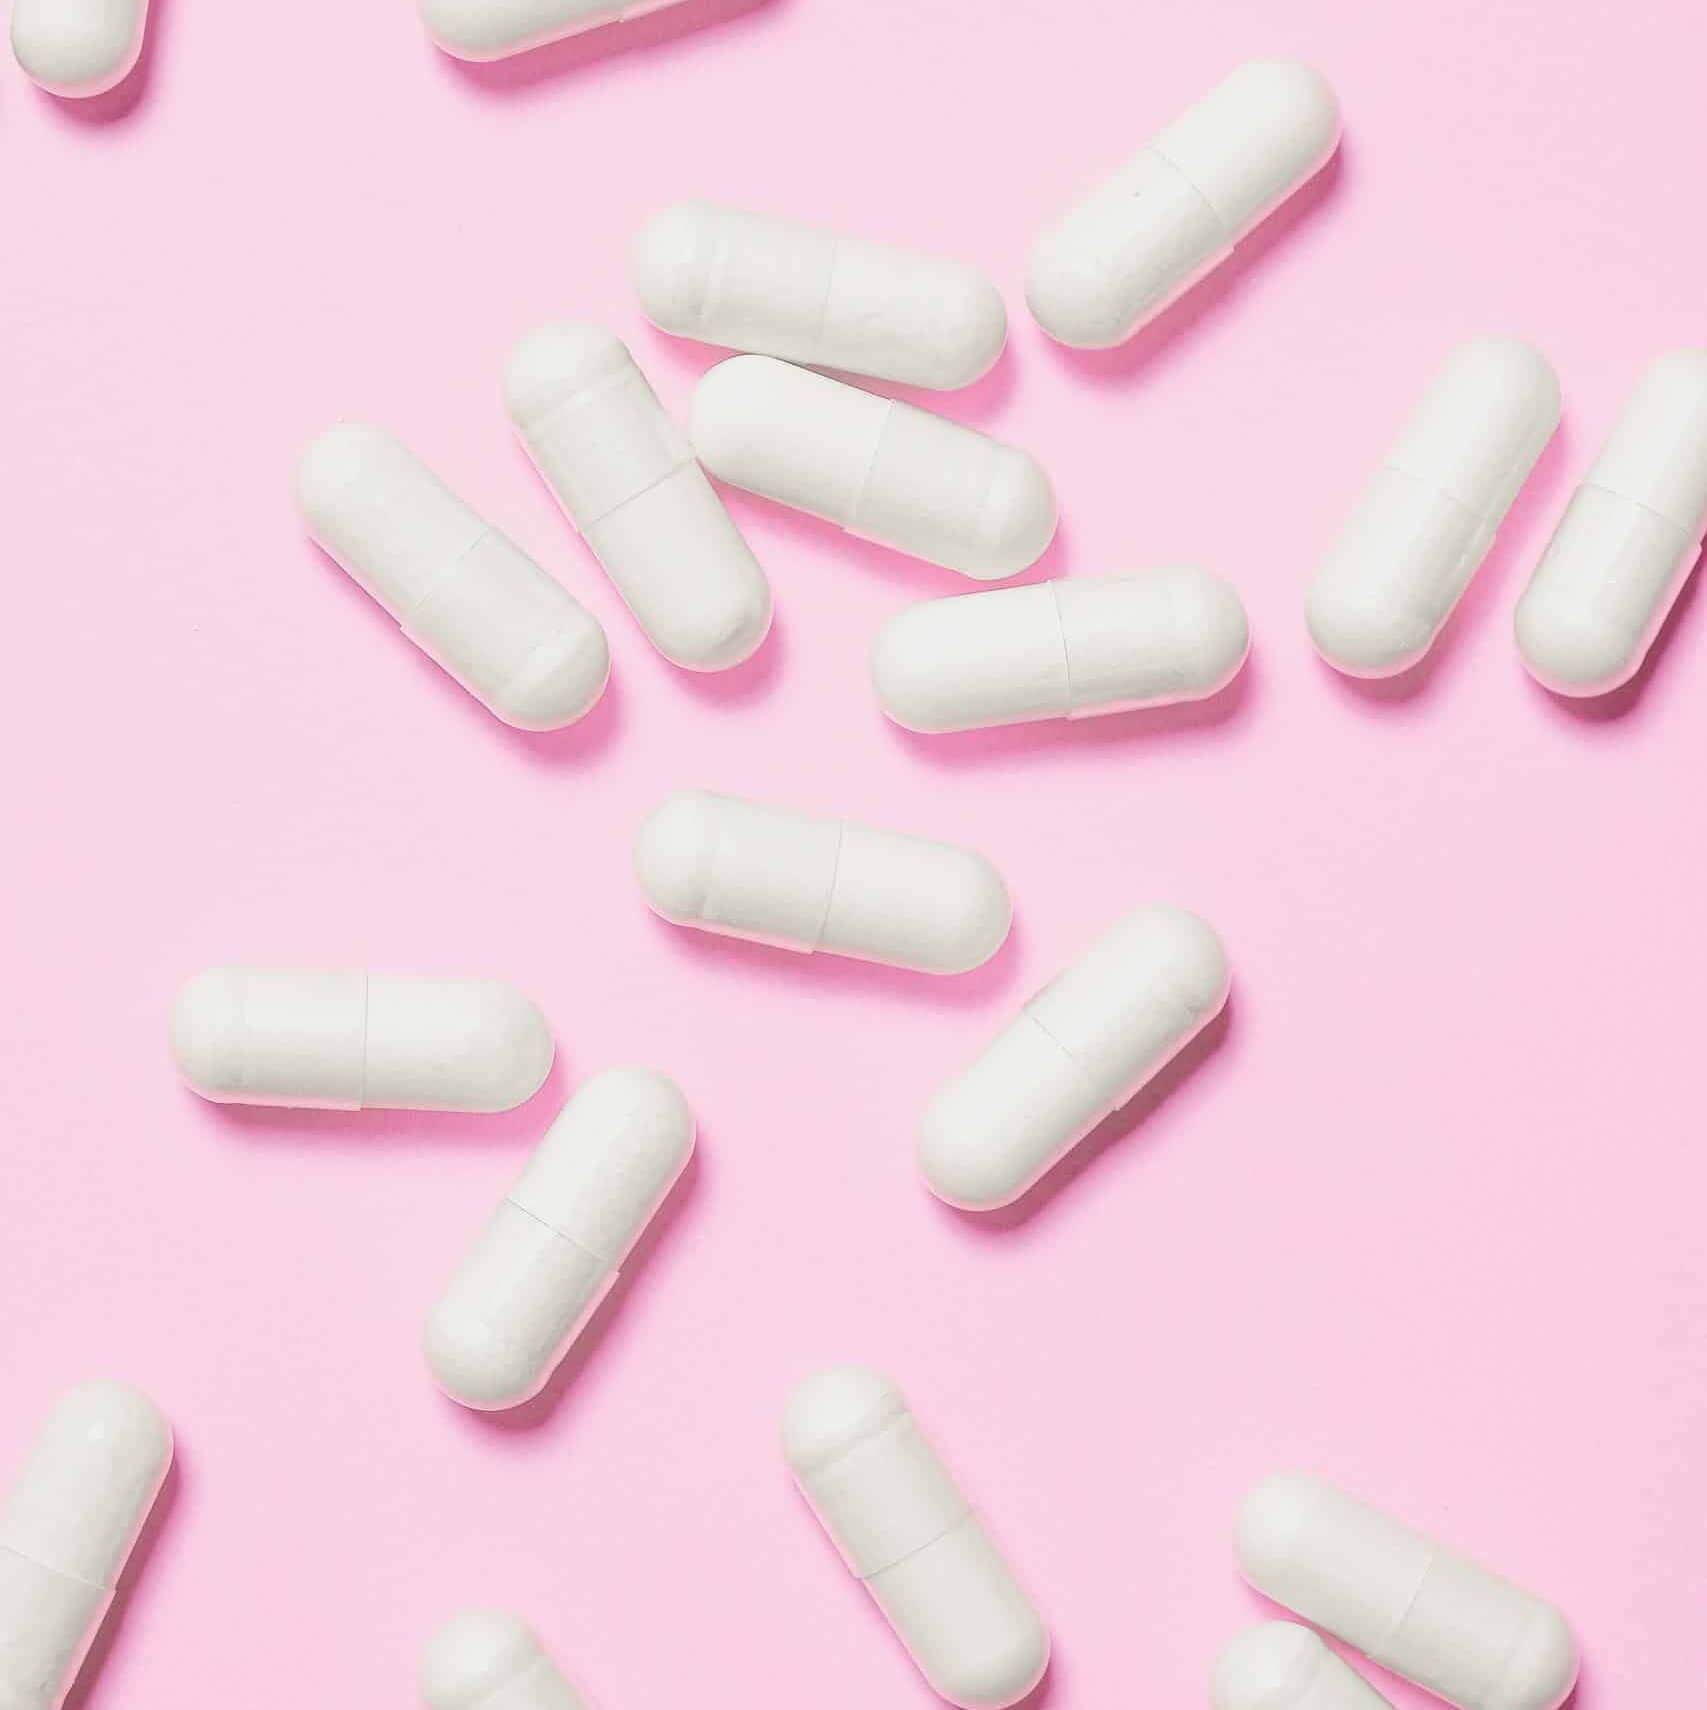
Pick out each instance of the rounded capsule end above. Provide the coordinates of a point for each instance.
(475, 1365)
(563, 680)
(735, 406)
(1271, 1522)
(998, 1677)
(475, 1655)
(1542, 1668)
(1071, 299)
(509, 1048)
(1267, 1667)
(672, 855)
(832, 1411)
(334, 462)
(1568, 650)
(669, 268)
(207, 1034)
(1019, 517)
(77, 51)
(970, 330)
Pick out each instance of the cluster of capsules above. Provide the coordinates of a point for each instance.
(794, 301)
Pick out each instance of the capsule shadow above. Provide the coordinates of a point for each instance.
(122, 100)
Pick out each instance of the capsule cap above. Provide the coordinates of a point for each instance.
(555, 363)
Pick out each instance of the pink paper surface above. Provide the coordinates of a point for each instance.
(1423, 1216)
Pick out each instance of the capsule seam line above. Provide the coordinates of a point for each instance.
(823, 320)
(1672, 523)
(58, 1573)
(1066, 653)
(590, 394)
(870, 466)
(830, 890)
(1378, 1653)
(361, 1090)
(1079, 1068)
(1228, 235)
(562, 1235)
(966, 1513)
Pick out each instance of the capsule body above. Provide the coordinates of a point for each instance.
(879, 468)
(1462, 1633)
(488, 1659)
(78, 47)
(1282, 1666)
(1065, 649)
(627, 480)
(550, 1252)
(746, 870)
(1166, 218)
(1079, 1050)
(903, 1527)
(1625, 547)
(1424, 525)
(67, 1527)
(495, 29)
(782, 289)
(357, 1041)
(464, 594)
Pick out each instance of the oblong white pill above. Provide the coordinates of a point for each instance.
(627, 481)
(67, 1527)
(78, 47)
(551, 1251)
(1426, 522)
(1067, 649)
(1147, 234)
(488, 1659)
(1463, 1633)
(903, 1527)
(879, 468)
(495, 29)
(467, 596)
(357, 1041)
(773, 286)
(1282, 1666)
(1078, 1051)
(743, 869)
(1625, 547)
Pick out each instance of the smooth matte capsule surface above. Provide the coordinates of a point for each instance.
(747, 870)
(905, 1529)
(495, 29)
(1461, 1632)
(628, 482)
(67, 1527)
(779, 288)
(1624, 549)
(78, 47)
(551, 1251)
(1079, 1050)
(1426, 522)
(879, 468)
(357, 1041)
(1139, 240)
(1065, 649)
(466, 595)
(488, 1659)
(1282, 1666)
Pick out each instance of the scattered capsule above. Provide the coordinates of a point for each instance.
(78, 47)
(1282, 1666)
(489, 1660)
(495, 29)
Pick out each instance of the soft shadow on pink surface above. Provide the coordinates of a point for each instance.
(577, 53)
(751, 680)
(86, 1693)
(129, 97)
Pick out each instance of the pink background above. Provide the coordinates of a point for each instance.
(1424, 1217)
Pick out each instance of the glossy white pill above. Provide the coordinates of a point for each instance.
(746, 870)
(495, 29)
(1079, 1050)
(627, 480)
(879, 468)
(1168, 217)
(67, 1527)
(1463, 1633)
(782, 289)
(1067, 649)
(487, 1659)
(1282, 1666)
(904, 1528)
(78, 47)
(1624, 549)
(551, 1251)
(464, 594)
(1425, 523)
(355, 1041)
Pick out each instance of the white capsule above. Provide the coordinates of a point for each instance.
(627, 480)
(551, 1251)
(1624, 549)
(746, 870)
(464, 594)
(903, 1527)
(1069, 649)
(1147, 234)
(1423, 527)
(1463, 1633)
(1281, 1666)
(354, 1041)
(67, 1528)
(1078, 1051)
(495, 29)
(486, 1659)
(879, 468)
(78, 47)
(756, 283)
